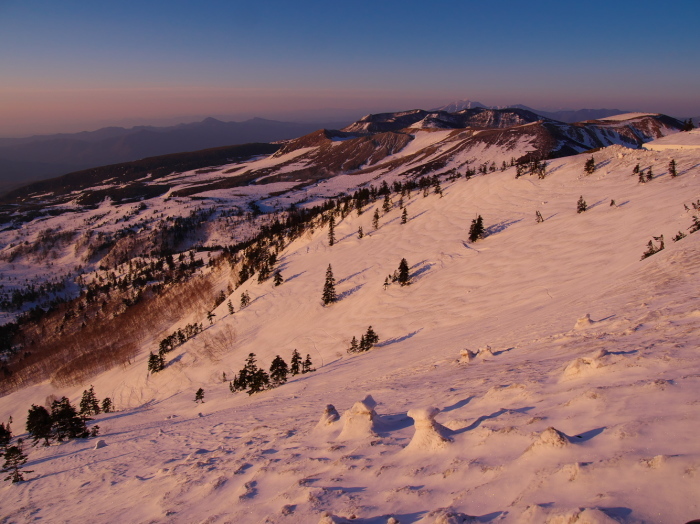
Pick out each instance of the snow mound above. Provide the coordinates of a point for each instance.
(550, 438)
(100, 444)
(539, 513)
(446, 516)
(328, 518)
(584, 365)
(328, 417)
(584, 322)
(429, 435)
(485, 352)
(466, 356)
(360, 420)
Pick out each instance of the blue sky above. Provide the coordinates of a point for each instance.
(80, 65)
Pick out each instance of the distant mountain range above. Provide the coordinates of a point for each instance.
(565, 115)
(24, 160)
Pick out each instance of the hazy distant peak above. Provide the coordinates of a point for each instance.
(459, 105)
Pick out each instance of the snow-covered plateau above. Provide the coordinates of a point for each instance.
(543, 373)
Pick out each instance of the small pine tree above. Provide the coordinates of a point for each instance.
(404, 216)
(156, 363)
(88, 403)
(375, 219)
(364, 345)
(403, 278)
(612, 203)
(278, 372)
(199, 396)
(331, 231)
(107, 405)
(672, 168)
(360, 234)
(39, 424)
(635, 171)
(210, 317)
(67, 424)
(15, 458)
(371, 337)
(295, 367)
(642, 177)
(581, 205)
(650, 175)
(277, 278)
(538, 217)
(259, 381)
(245, 299)
(589, 167)
(230, 307)
(307, 365)
(329, 295)
(353, 346)
(5, 436)
(476, 230)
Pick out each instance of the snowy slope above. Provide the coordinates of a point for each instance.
(619, 387)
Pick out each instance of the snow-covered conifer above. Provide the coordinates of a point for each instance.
(589, 167)
(404, 278)
(329, 295)
(307, 365)
(199, 396)
(476, 230)
(278, 371)
(39, 424)
(331, 231)
(295, 367)
(15, 458)
(88, 403)
(581, 205)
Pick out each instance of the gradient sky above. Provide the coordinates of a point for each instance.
(71, 66)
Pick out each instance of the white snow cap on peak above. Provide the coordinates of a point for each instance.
(430, 435)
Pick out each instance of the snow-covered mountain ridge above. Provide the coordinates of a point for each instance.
(618, 386)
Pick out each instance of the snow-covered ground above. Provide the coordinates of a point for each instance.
(577, 400)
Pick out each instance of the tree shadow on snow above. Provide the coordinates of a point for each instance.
(501, 226)
(422, 267)
(294, 276)
(353, 275)
(349, 292)
(394, 340)
(457, 405)
(588, 435)
(416, 216)
(495, 414)
(596, 204)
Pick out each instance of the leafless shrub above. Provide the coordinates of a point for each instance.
(216, 344)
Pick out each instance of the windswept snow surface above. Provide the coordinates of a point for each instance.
(559, 416)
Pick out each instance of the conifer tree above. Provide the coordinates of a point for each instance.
(259, 381)
(375, 219)
(295, 367)
(538, 217)
(245, 299)
(88, 403)
(635, 171)
(331, 231)
(230, 307)
(66, 422)
(360, 234)
(307, 366)
(277, 278)
(386, 206)
(404, 216)
(642, 177)
(476, 230)
(364, 345)
(5, 436)
(39, 424)
(329, 295)
(403, 278)
(581, 205)
(672, 168)
(156, 363)
(371, 337)
(353, 346)
(15, 458)
(589, 167)
(199, 396)
(210, 317)
(650, 175)
(107, 405)
(278, 371)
